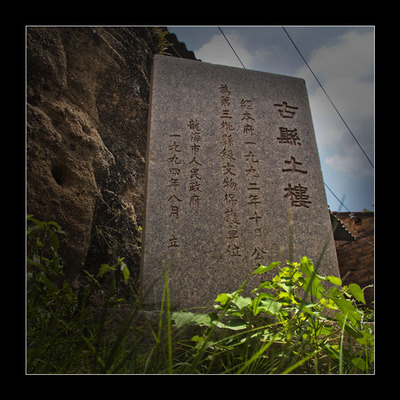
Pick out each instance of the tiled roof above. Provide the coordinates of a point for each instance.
(177, 48)
(339, 230)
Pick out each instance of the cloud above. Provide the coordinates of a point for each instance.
(346, 71)
(350, 57)
(218, 51)
(349, 162)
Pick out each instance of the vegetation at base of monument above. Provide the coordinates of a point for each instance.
(159, 37)
(291, 324)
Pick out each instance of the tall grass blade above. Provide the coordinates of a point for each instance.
(304, 334)
(302, 361)
(341, 347)
(170, 369)
(262, 350)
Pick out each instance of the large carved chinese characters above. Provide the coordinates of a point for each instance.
(233, 180)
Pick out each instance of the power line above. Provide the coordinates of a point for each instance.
(333, 105)
(232, 48)
(336, 197)
(326, 95)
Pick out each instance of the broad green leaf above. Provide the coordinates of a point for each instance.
(306, 266)
(182, 318)
(52, 288)
(56, 260)
(233, 324)
(328, 303)
(269, 306)
(265, 284)
(58, 227)
(223, 298)
(40, 224)
(348, 309)
(316, 289)
(345, 305)
(53, 240)
(367, 338)
(334, 280)
(242, 302)
(262, 268)
(285, 287)
(357, 292)
(124, 269)
(103, 269)
(315, 313)
(288, 299)
(359, 363)
(334, 292)
(125, 272)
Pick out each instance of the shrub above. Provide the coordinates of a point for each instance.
(297, 322)
(292, 324)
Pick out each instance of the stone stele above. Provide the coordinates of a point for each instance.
(233, 180)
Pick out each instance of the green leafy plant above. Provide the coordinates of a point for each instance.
(45, 274)
(120, 265)
(293, 323)
(159, 37)
(50, 300)
(63, 335)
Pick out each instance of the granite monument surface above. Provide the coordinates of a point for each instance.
(233, 180)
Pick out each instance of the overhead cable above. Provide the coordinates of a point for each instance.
(324, 92)
(336, 197)
(333, 105)
(232, 48)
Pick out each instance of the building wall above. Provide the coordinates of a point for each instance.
(356, 258)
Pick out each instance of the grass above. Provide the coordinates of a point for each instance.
(291, 324)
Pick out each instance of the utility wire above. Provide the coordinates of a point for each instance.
(232, 48)
(333, 105)
(324, 92)
(336, 197)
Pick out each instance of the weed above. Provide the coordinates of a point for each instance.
(159, 37)
(297, 322)
(292, 324)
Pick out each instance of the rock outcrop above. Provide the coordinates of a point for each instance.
(87, 110)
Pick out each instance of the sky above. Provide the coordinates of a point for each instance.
(343, 60)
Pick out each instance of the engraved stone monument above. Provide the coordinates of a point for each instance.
(233, 180)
